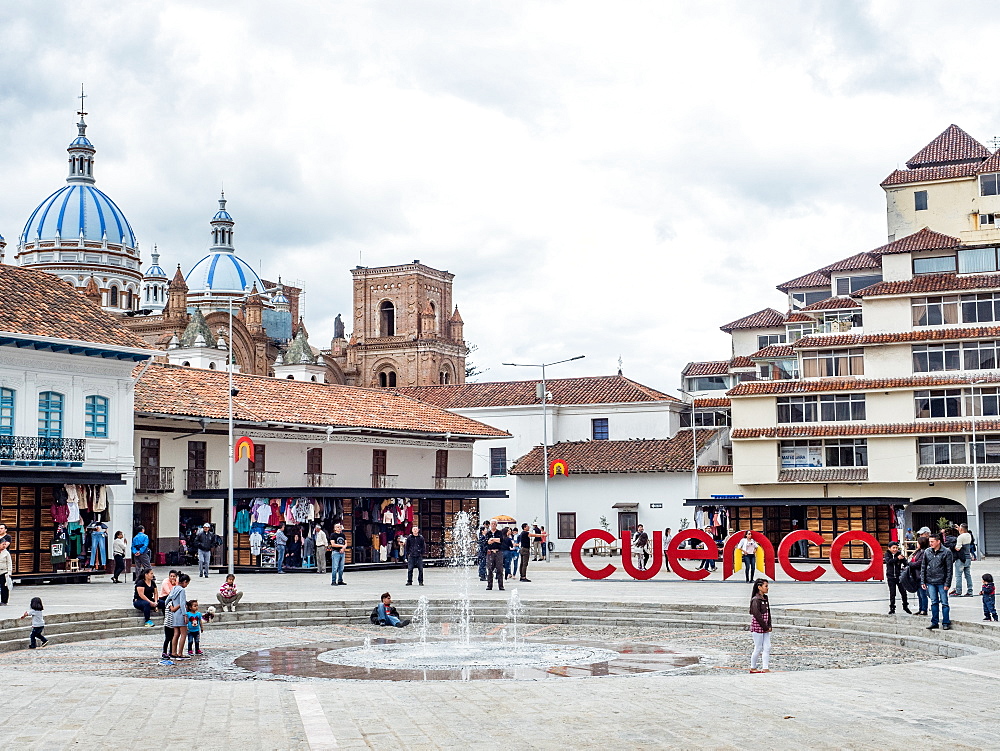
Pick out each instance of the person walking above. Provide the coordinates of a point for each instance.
(338, 544)
(935, 576)
(545, 544)
(494, 556)
(748, 547)
(760, 627)
(118, 551)
(989, 594)
(36, 611)
(640, 547)
(280, 542)
(667, 537)
(140, 551)
(228, 595)
(915, 564)
(963, 561)
(894, 561)
(709, 564)
(536, 543)
(204, 541)
(524, 548)
(6, 569)
(322, 548)
(144, 598)
(413, 551)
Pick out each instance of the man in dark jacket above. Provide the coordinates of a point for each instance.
(204, 541)
(414, 550)
(894, 561)
(935, 577)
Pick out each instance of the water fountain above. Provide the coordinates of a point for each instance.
(514, 610)
(421, 619)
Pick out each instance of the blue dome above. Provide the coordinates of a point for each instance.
(222, 216)
(156, 271)
(221, 271)
(78, 209)
(81, 141)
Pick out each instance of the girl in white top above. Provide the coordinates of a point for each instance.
(748, 546)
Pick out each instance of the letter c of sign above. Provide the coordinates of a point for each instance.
(576, 554)
(785, 547)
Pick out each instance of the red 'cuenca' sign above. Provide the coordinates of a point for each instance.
(677, 555)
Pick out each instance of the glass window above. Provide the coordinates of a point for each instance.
(96, 424)
(797, 409)
(937, 265)
(833, 362)
(798, 330)
(842, 407)
(599, 429)
(934, 311)
(986, 449)
(946, 449)
(981, 308)
(980, 355)
(933, 358)
(988, 185)
(981, 402)
(846, 452)
(708, 383)
(50, 414)
(6, 411)
(920, 200)
(940, 403)
(977, 260)
(567, 526)
(766, 340)
(808, 298)
(847, 285)
(498, 462)
(710, 418)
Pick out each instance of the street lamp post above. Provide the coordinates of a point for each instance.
(545, 429)
(694, 447)
(975, 463)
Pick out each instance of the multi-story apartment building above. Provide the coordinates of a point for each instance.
(874, 402)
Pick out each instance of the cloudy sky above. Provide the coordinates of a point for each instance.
(608, 179)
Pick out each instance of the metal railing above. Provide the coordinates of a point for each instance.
(320, 479)
(154, 479)
(385, 481)
(22, 448)
(201, 479)
(259, 478)
(460, 483)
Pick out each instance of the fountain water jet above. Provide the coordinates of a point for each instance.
(514, 609)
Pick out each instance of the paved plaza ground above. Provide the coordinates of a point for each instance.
(95, 694)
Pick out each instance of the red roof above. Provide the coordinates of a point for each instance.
(589, 390)
(192, 392)
(601, 457)
(818, 341)
(762, 319)
(833, 303)
(924, 239)
(712, 402)
(927, 174)
(953, 145)
(710, 469)
(775, 351)
(933, 283)
(39, 304)
(812, 279)
(856, 262)
(799, 318)
(741, 362)
(706, 368)
(815, 385)
(818, 430)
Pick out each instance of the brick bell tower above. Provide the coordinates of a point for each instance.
(407, 331)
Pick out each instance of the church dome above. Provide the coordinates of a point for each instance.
(221, 271)
(155, 271)
(78, 210)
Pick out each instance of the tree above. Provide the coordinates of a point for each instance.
(471, 369)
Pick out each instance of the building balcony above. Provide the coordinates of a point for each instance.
(258, 478)
(201, 479)
(320, 479)
(460, 483)
(154, 479)
(385, 481)
(22, 450)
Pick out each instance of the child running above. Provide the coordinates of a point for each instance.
(989, 593)
(37, 622)
(194, 619)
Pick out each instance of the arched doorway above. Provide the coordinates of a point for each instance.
(926, 512)
(989, 527)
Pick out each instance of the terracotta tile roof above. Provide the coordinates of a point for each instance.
(856, 262)
(799, 318)
(719, 401)
(741, 362)
(814, 341)
(933, 283)
(823, 474)
(990, 165)
(819, 430)
(599, 457)
(812, 279)
(710, 469)
(924, 239)
(191, 392)
(928, 174)
(957, 472)
(589, 390)
(815, 385)
(783, 351)
(833, 303)
(762, 319)
(720, 367)
(37, 303)
(953, 145)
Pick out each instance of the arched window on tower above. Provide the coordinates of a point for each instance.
(128, 300)
(434, 308)
(387, 379)
(113, 297)
(387, 319)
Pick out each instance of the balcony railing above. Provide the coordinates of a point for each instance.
(22, 449)
(460, 483)
(385, 481)
(320, 479)
(154, 479)
(201, 479)
(258, 478)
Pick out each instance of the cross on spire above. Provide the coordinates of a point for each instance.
(83, 96)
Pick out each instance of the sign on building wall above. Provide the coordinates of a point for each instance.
(801, 456)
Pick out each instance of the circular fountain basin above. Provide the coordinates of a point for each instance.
(392, 660)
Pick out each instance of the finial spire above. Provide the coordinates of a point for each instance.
(83, 96)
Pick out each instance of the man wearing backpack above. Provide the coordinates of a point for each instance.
(963, 561)
(385, 614)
